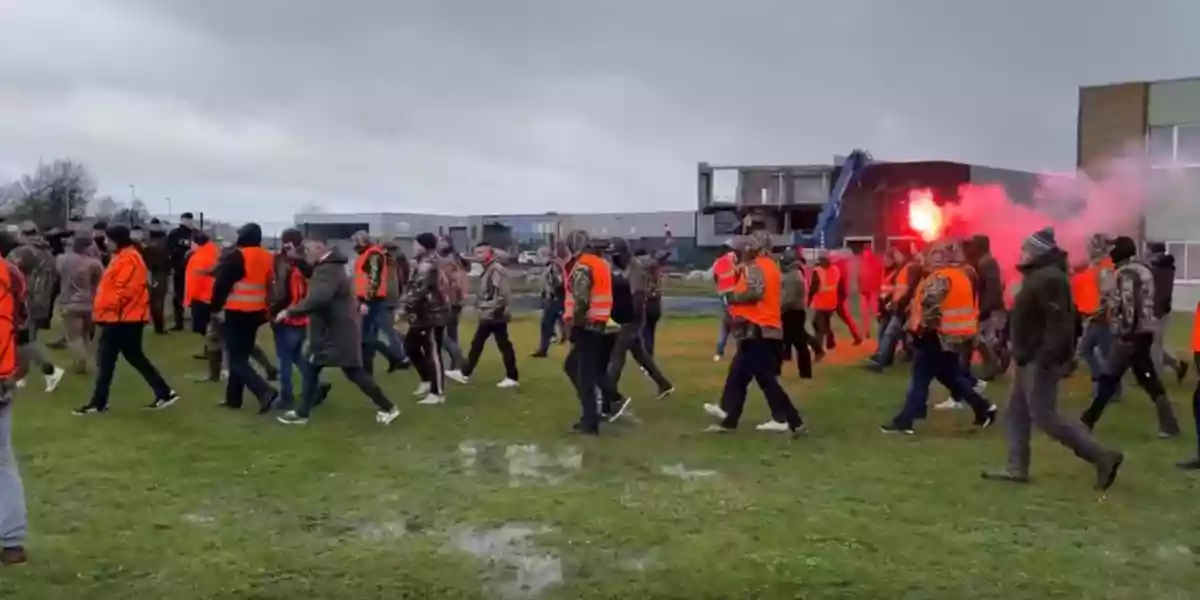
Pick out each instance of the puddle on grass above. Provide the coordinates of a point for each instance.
(509, 550)
(199, 518)
(524, 463)
(678, 470)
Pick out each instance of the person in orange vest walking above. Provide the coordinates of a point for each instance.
(723, 277)
(1193, 464)
(371, 284)
(197, 295)
(896, 292)
(240, 289)
(14, 525)
(1089, 287)
(756, 322)
(121, 312)
(825, 294)
(289, 286)
(943, 319)
(587, 310)
(1042, 343)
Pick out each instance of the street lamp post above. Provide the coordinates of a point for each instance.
(170, 211)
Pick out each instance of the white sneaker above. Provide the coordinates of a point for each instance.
(386, 417)
(773, 426)
(422, 389)
(715, 411)
(980, 386)
(716, 358)
(949, 404)
(53, 379)
(457, 375)
(21, 383)
(433, 399)
(508, 383)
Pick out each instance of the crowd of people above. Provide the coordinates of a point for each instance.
(938, 308)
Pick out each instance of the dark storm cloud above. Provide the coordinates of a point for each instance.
(472, 106)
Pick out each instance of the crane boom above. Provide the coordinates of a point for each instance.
(824, 234)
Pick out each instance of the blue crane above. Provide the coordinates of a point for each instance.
(825, 233)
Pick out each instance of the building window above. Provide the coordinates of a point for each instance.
(1174, 145)
(1187, 260)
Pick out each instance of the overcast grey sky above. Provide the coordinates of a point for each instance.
(249, 109)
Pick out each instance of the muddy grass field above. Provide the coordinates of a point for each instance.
(487, 497)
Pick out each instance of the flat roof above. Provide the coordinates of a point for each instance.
(1140, 82)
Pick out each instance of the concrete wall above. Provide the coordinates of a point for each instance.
(1112, 120)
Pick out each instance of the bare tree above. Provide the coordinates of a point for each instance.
(51, 194)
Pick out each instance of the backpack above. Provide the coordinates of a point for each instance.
(449, 283)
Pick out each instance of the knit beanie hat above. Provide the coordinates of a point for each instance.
(1041, 242)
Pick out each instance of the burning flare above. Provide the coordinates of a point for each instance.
(924, 215)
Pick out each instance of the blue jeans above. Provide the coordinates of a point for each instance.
(931, 362)
(552, 311)
(1095, 347)
(289, 349)
(889, 337)
(723, 334)
(13, 521)
(370, 332)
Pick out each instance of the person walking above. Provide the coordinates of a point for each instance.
(289, 286)
(794, 303)
(14, 524)
(121, 311)
(426, 302)
(723, 276)
(454, 269)
(653, 264)
(240, 286)
(1089, 287)
(587, 310)
(1162, 265)
(32, 256)
(899, 284)
(1043, 340)
(492, 307)
(335, 335)
(992, 317)
(1131, 304)
(756, 322)
(389, 343)
(553, 296)
(371, 284)
(157, 256)
(79, 271)
(943, 319)
(179, 245)
(1193, 464)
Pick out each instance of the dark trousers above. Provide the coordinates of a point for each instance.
(1132, 352)
(552, 312)
(629, 341)
(311, 388)
(201, 315)
(933, 362)
(239, 345)
(756, 360)
(178, 279)
(650, 327)
(795, 336)
(424, 347)
(123, 339)
(583, 367)
(289, 349)
(498, 330)
(158, 300)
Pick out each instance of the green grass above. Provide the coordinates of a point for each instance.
(197, 502)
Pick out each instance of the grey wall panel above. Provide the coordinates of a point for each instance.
(1174, 102)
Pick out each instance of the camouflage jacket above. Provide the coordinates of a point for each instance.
(425, 303)
(492, 301)
(1130, 302)
(581, 294)
(553, 280)
(795, 289)
(38, 266)
(653, 266)
(936, 288)
(756, 287)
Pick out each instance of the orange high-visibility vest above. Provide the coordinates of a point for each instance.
(723, 270)
(297, 286)
(766, 311)
(826, 297)
(249, 294)
(960, 312)
(198, 279)
(600, 302)
(901, 286)
(1085, 288)
(1196, 330)
(123, 295)
(8, 313)
(360, 275)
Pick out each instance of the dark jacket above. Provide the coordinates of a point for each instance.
(333, 321)
(991, 284)
(179, 243)
(230, 270)
(424, 298)
(158, 262)
(1163, 268)
(1043, 314)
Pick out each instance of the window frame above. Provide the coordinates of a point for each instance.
(1173, 161)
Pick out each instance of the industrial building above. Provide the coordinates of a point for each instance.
(1162, 119)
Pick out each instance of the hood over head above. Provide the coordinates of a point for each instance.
(788, 259)
(249, 234)
(618, 249)
(1123, 249)
(577, 241)
(981, 244)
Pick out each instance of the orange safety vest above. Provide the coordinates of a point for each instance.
(960, 312)
(8, 333)
(766, 311)
(901, 285)
(360, 275)
(1196, 330)
(249, 294)
(1085, 287)
(124, 292)
(725, 273)
(297, 286)
(600, 303)
(198, 279)
(826, 297)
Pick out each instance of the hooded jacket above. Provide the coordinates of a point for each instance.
(990, 282)
(795, 291)
(1042, 320)
(495, 292)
